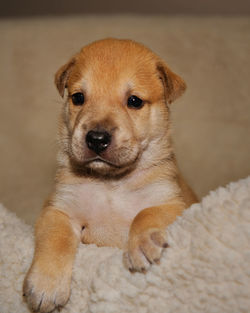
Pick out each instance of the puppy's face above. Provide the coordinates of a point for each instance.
(116, 114)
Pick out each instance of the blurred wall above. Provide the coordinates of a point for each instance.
(20, 8)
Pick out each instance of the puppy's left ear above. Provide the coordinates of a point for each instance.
(62, 75)
(174, 85)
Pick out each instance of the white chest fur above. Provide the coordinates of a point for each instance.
(106, 210)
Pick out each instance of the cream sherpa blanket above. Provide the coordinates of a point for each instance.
(205, 269)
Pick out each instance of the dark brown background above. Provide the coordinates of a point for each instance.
(57, 7)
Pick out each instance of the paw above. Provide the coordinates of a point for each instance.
(45, 291)
(145, 249)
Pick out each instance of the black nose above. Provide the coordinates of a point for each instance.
(98, 141)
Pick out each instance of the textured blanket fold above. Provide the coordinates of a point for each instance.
(205, 269)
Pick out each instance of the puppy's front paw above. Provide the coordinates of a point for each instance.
(46, 290)
(145, 249)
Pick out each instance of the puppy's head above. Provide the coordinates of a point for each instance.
(116, 114)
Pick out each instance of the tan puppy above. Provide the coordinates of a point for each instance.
(117, 182)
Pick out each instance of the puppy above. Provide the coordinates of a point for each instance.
(117, 182)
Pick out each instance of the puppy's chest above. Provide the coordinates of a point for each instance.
(106, 212)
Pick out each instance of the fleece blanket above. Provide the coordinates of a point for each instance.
(205, 269)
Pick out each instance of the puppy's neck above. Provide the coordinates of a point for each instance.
(164, 170)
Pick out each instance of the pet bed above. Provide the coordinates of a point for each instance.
(205, 269)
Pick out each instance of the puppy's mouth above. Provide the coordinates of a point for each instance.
(97, 153)
(103, 164)
(98, 159)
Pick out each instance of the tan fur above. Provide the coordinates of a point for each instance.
(132, 191)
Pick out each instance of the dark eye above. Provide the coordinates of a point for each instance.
(135, 102)
(78, 98)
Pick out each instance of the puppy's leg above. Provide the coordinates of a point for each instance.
(47, 283)
(147, 235)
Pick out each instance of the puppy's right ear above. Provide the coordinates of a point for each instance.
(62, 75)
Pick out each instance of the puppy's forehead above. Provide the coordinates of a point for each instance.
(112, 63)
(116, 53)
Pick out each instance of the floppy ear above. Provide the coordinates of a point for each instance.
(173, 84)
(62, 75)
